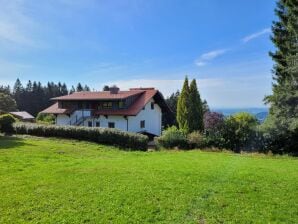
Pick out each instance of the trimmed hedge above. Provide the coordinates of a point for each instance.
(100, 135)
(6, 121)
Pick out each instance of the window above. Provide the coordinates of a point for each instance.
(152, 105)
(111, 124)
(107, 105)
(97, 124)
(80, 105)
(89, 123)
(121, 104)
(143, 108)
(142, 124)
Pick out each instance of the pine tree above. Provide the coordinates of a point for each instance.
(79, 87)
(284, 100)
(183, 107)
(18, 92)
(195, 108)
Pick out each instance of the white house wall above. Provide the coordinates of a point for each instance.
(151, 117)
(62, 119)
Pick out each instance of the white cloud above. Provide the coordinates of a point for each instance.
(256, 35)
(206, 57)
(16, 26)
(166, 86)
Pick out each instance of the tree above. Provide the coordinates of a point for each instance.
(86, 88)
(183, 107)
(169, 119)
(7, 103)
(284, 99)
(239, 130)
(79, 87)
(195, 115)
(106, 88)
(72, 90)
(5, 90)
(205, 107)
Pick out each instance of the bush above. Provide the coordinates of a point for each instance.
(6, 121)
(171, 138)
(196, 140)
(45, 118)
(100, 135)
(239, 131)
(214, 125)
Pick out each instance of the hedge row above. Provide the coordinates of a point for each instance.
(100, 135)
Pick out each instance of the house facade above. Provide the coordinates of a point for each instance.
(136, 110)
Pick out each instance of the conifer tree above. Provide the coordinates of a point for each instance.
(183, 107)
(284, 100)
(195, 108)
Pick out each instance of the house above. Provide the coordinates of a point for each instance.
(136, 110)
(23, 116)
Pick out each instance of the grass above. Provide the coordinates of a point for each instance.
(60, 181)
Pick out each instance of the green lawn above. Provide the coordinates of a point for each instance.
(61, 181)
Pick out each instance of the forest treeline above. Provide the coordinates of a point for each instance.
(34, 97)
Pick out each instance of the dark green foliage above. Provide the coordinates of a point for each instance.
(284, 100)
(106, 88)
(100, 135)
(239, 131)
(205, 107)
(35, 97)
(169, 119)
(7, 103)
(79, 87)
(183, 107)
(195, 115)
(172, 138)
(6, 121)
(45, 118)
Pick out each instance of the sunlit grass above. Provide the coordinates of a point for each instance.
(61, 181)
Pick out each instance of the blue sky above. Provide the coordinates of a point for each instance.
(132, 43)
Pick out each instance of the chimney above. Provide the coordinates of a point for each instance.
(114, 89)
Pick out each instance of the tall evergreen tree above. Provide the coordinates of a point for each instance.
(79, 87)
(284, 100)
(195, 108)
(183, 107)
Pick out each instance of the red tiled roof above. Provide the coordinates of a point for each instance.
(104, 95)
(55, 110)
(135, 108)
(145, 94)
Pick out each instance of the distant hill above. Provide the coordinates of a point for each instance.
(260, 113)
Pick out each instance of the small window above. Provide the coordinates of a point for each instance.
(121, 104)
(97, 124)
(152, 106)
(143, 108)
(142, 124)
(111, 124)
(89, 123)
(80, 105)
(107, 105)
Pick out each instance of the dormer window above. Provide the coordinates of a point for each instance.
(107, 105)
(121, 104)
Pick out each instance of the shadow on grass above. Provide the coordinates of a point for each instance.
(11, 142)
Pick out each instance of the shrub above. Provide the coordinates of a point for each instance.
(196, 140)
(6, 121)
(239, 131)
(214, 124)
(100, 135)
(171, 138)
(45, 118)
